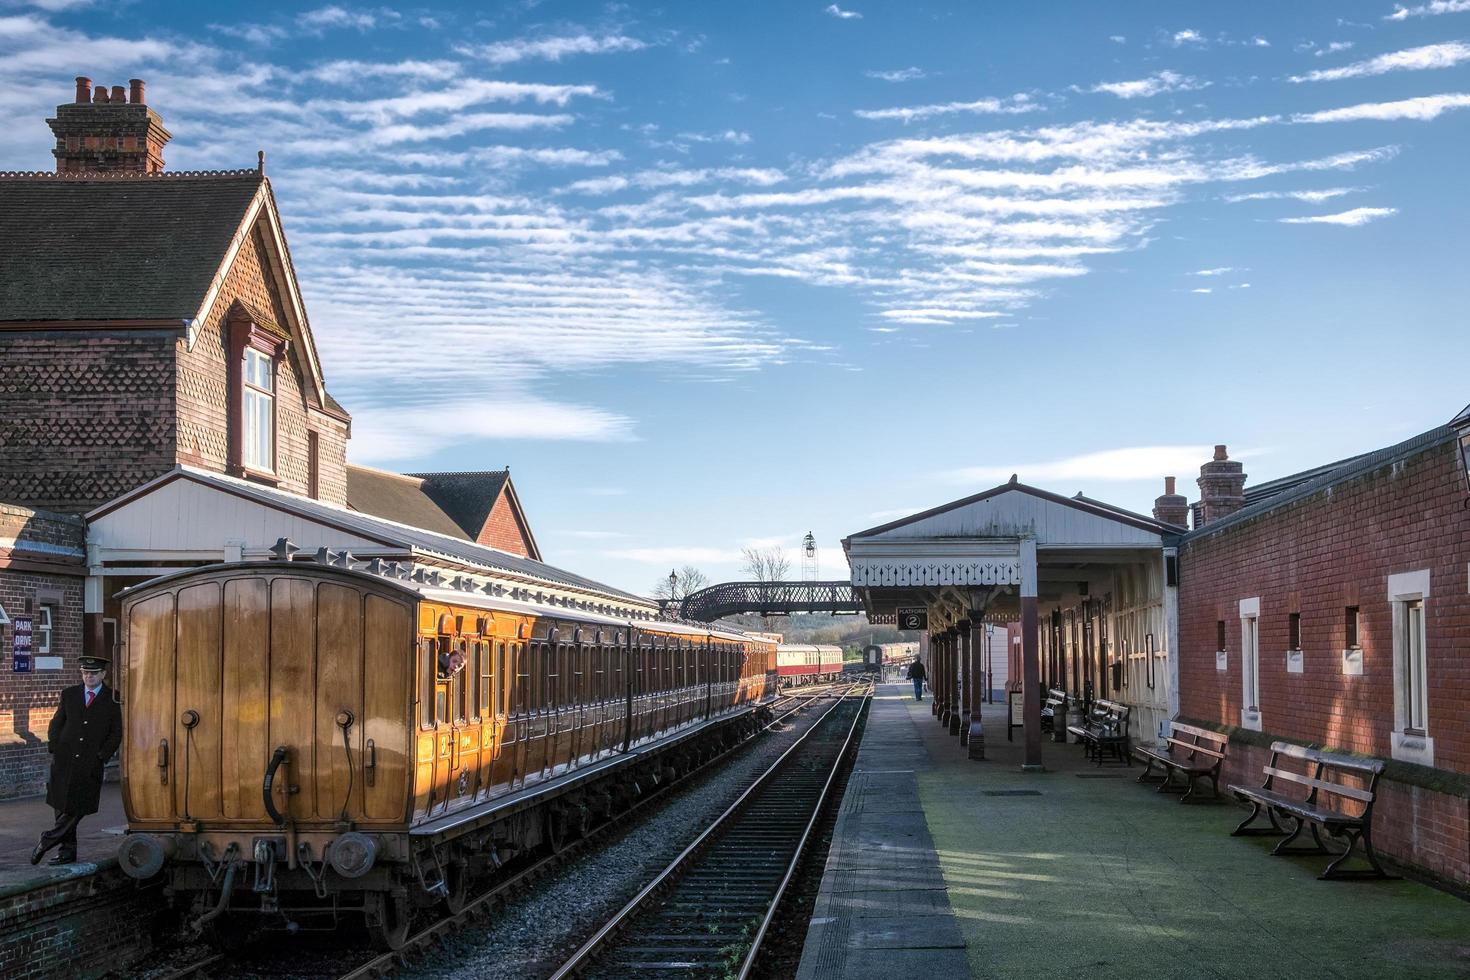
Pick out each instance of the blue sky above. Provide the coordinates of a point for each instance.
(709, 276)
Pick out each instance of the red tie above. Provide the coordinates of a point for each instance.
(90, 694)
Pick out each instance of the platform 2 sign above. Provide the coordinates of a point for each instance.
(913, 618)
(22, 637)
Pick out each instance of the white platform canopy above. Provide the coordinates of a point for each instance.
(993, 557)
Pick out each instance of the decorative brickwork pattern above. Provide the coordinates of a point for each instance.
(84, 415)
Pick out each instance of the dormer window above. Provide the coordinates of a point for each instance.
(259, 416)
(256, 353)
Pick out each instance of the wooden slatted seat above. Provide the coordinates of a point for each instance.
(1105, 732)
(1324, 775)
(1192, 752)
(1054, 711)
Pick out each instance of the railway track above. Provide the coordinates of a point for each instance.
(707, 913)
(214, 966)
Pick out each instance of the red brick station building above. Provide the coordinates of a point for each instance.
(162, 405)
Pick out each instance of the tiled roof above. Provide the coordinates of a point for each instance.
(398, 498)
(1327, 476)
(115, 247)
(466, 497)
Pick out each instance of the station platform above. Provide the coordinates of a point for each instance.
(21, 823)
(943, 867)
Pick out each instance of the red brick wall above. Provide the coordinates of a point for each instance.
(1317, 556)
(503, 531)
(28, 700)
(84, 415)
(82, 927)
(203, 376)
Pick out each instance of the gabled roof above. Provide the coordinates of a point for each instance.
(397, 497)
(1092, 508)
(1323, 477)
(468, 498)
(390, 533)
(116, 247)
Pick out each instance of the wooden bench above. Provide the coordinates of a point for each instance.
(1325, 770)
(1054, 714)
(1105, 731)
(1192, 752)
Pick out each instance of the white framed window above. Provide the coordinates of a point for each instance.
(42, 627)
(1408, 596)
(259, 410)
(1250, 664)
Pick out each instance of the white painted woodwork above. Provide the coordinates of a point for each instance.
(1017, 514)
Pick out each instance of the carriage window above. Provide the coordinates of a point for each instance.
(428, 655)
(459, 685)
(482, 675)
(498, 707)
(521, 691)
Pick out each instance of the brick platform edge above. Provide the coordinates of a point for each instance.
(1421, 820)
(78, 928)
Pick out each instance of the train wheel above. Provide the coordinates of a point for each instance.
(387, 919)
(457, 881)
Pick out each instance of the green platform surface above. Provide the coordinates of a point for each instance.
(1099, 876)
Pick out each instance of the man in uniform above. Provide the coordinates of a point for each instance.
(85, 731)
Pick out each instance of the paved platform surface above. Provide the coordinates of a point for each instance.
(942, 867)
(21, 823)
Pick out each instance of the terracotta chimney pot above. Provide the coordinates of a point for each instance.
(99, 95)
(84, 89)
(1220, 453)
(119, 94)
(135, 91)
(1168, 484)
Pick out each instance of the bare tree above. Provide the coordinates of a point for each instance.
(681, 583)
(766, 564)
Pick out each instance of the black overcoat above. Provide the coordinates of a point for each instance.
(82, 739)
(917, 672)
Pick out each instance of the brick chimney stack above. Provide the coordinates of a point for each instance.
(1171, 508)
(108, 132)
(1221, 488)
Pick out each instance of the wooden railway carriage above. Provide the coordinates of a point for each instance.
(304, 724)
(805, 663)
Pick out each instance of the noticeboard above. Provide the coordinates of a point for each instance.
(913, 618)
(20, 644)
(1015, 713)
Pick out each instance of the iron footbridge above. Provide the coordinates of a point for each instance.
(769, 599)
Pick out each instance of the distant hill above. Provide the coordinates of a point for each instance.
(849, 632)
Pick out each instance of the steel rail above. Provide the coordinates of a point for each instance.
(670, 874)
(385, 963)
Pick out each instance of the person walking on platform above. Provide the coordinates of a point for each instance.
(917, 675)
(84, 733)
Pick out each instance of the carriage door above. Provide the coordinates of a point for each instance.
(464, 686)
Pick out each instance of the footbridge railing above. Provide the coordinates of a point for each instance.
(769, 599)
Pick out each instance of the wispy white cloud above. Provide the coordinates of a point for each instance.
(897, 75)
(323, 18)
(1187, 36)
(1117, 39)
(1155, 84)
(1307, 197)
(1353, 218)
(1130, 463)
(1334, 48)
(1423, 108)
(1018, 103)
(390, 433)
(1222, 270)
(1429, 56)
(1202, 289)
(1433, 9)
(841, 14)
(553, 48)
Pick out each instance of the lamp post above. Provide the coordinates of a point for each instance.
(667, 606)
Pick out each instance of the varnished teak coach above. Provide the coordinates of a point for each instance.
(305, 727)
